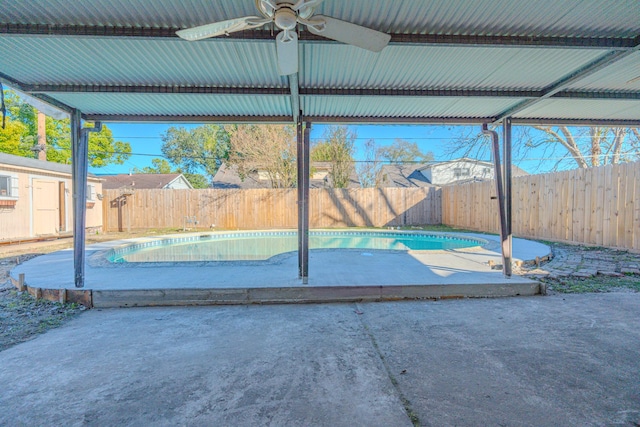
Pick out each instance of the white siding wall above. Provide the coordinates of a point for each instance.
(16, 220)
(447, 173)
(179, 184)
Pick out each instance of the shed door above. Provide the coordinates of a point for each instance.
(45, 207)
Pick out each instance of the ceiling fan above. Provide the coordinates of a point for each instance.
(286, 14)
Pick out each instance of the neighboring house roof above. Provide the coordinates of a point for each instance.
(410, 175)
(460, 160)
(142, 181)
(403, 175)
(229, 178)
(27, 162)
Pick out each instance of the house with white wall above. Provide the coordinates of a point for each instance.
(440, 173)
(36, 199)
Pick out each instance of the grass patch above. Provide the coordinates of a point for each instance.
(22, 317)
(595, 284)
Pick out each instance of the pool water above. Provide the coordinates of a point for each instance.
(256, 246)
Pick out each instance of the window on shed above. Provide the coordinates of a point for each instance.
(8, 186)
(91, 192)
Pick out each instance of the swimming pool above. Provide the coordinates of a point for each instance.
(263, 245)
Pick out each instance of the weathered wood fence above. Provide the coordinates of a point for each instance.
(270, 208)
(597, 206)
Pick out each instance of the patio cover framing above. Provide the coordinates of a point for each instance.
(485, 62)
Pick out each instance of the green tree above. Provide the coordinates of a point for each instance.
(269, 149)
(10, 138)
(201, 149)
(163, 166)
(403, 151)
(158, 166)
(103, 149)
(337, 147)
(197, 180)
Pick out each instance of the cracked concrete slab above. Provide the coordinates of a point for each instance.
(543, 361)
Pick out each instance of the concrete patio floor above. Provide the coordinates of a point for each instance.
(537, 361)
(334, 275)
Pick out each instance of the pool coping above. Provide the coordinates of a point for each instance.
(100, 258)
(335, 276)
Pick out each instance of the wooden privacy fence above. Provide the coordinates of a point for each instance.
(597, 206)
(270, 208)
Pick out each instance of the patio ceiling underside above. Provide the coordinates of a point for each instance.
(463, 62)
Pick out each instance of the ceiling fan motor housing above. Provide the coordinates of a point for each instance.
(285, 18)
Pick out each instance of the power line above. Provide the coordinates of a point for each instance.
(524, 159)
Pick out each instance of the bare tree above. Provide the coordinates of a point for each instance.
(269, 149)
(403, 151)
(584, 146)
(370, 170)
(336, 148)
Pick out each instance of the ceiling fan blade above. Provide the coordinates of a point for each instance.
(348, 33)
(222, 27)
(287, 51)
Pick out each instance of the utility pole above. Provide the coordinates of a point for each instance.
(42, 136)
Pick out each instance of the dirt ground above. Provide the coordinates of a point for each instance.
(22, 317)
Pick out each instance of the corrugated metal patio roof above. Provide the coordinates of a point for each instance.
(458, 61)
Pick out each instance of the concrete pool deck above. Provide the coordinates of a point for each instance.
(561, 360)
(334, 275)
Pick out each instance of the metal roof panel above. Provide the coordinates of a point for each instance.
(623, 75)
(122, 61)
(404, 67)
(597, 18)
(177, 104)
(582, 109)
(389, 107)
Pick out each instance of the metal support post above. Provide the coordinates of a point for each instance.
(303, 199)
(305, 204)
(79, 172)
(508, 197)
(500, 193)
(299, 151)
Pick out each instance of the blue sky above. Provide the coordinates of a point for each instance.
(145, 140)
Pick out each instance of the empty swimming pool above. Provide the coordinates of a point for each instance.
(263, 245)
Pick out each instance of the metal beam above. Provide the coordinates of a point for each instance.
(265, 34)
(295, 97)
(495, 144)
(141, 118)
(578, 122)
(294, 90)
(155, 89)
(21, 87)
(452, 93)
